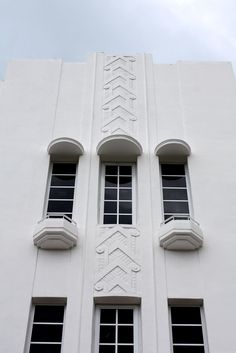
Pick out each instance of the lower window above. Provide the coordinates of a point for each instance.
(46, 336)
(187, 329)
(117, 329)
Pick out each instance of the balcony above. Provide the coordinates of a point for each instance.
(57, 233)
(180, 233)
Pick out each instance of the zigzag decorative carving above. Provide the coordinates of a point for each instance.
(117, 266)
(119, 111)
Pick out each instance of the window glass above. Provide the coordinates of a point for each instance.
(174, 191)
(47, 329)
(187, 331)
(61, 192)
(118, 194)
(117, 330)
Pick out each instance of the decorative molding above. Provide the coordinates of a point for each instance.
(117, 267)
(119, 108)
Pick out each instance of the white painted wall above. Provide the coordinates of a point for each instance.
(42, 100)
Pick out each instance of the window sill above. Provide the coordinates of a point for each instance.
(55, 234)
(180, 234)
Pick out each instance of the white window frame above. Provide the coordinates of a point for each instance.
(203, 325)
(102, 193)
(136, 325)
(32, 322)
(188, 188)
(45, 213)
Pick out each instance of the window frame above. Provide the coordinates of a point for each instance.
(102, 193)
(188, 189)
(32, 322)
(48, 188)
(136, 324)
(202, 325)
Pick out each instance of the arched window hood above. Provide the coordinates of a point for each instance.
(120, 148)
(173, 150)
(65, 148)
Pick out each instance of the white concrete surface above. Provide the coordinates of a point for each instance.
(42, 100)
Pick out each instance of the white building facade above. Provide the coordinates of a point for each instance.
(118, 206)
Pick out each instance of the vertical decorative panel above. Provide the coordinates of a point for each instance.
(117, 266)
(119, 108)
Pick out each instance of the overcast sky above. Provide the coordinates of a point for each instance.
(170, 30)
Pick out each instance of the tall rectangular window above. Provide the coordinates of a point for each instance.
(118, 330)
(174, 190)
(118, 194)
(61, 191)
(46, 336)
(187, 330)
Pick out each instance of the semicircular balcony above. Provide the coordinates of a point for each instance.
(180, 233)
(55, 233)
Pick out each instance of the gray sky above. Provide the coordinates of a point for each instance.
(170, 30)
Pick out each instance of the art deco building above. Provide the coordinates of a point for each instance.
(118, 205)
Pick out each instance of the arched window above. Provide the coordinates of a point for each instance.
(179, 230)
(57, 230)
(118, 156)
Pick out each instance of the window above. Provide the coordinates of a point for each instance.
(47, 329)
(61, 191)
(118, 329)
(174, 189)
(118, 194)
(187, 329)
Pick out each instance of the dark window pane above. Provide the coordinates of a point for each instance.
(60, 180)
(125, 194)
(65, 193)
(110, 194)
(125, 207)
(110, 207)
(174, 181)
(125, 316)
(108, 316)
(46, 333)
(125, 181)
(186, 349)
(175, 194)
(45, 348)
(125, 349)
(125, 219)
(125, 170)
(125, 334)
(110, 181)
(109, 219)
(172, 169)
(107, 349)
(47, 313)
(111, 170)
(64, 168)
(187, 334)
(185, 315)
(60, 206)
(107, 334)
(176, 207)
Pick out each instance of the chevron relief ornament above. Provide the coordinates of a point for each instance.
(116, 261)
(119, 108)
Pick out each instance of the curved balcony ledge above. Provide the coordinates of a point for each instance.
(180, 234)
(55, 233)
